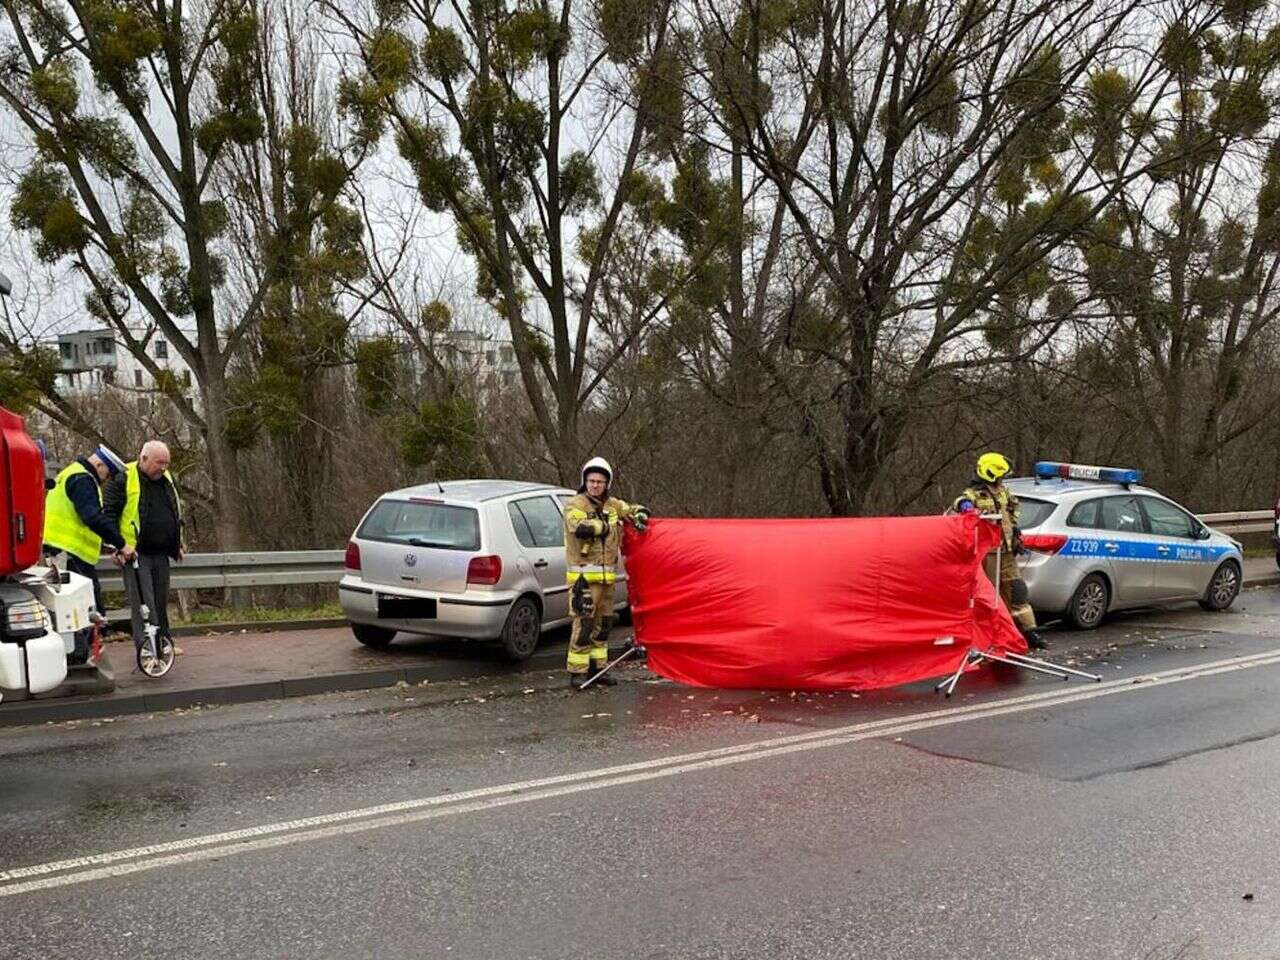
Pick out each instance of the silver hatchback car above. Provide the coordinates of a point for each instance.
(1096, 541)
(482, 559)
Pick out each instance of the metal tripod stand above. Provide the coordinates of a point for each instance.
(976, 656)
(631, 651)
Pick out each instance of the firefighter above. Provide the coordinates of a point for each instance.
(593, 531)
(988, 495)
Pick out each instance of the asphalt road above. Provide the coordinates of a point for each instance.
(1024, 818)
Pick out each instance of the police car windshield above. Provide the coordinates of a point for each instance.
(1032, 513)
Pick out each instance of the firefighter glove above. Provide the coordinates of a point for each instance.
(590, 529)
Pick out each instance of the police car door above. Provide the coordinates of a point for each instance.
(539, 527)
(1131, 549)
(1183, 564)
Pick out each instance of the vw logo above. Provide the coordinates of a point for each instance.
(410, 559)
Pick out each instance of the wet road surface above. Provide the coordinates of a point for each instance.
(510, 818)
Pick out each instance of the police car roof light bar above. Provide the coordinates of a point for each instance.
(1047, 469)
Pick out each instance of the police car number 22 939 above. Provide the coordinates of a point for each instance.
(1098, 541)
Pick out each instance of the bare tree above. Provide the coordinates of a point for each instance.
(931, 158)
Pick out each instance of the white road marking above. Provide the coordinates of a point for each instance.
(212, 846)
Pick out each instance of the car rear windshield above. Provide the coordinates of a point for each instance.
(422, 525)
(1032, 513)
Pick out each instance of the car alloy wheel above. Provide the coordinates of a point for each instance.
(1225, 586)
(1091, 603)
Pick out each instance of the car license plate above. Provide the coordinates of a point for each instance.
(406, 608)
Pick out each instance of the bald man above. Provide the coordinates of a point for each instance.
(143, 501)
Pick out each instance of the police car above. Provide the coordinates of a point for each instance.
(1096, 541)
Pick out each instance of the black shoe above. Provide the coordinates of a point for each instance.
(576, 680)
(1035, 641)
(604, 679)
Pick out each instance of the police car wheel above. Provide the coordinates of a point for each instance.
(1223, 588)
(371, 636)
(520, 632)
(1089, 603)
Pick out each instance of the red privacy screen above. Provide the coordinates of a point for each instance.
(814, 604)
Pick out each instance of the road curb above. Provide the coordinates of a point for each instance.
(248, 626)
(255, 626)
(27, 712)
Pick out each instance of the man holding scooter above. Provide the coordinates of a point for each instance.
(144, 502)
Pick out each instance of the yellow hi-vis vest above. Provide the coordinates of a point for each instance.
(63, 528)
(130, 519)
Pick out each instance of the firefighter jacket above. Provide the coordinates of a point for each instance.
(992, 500)
(592, 536)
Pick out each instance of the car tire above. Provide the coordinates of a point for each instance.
(371, 636)
(1223, 588)
(1089, 603)
(522, 630)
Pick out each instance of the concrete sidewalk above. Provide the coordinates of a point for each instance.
(263, 665)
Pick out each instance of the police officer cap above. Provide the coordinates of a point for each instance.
(109, 457)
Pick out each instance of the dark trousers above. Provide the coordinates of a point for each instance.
(75, 565)
(153, 571)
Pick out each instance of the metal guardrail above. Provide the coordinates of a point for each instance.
(1241, 521)
(300, 567)
(263, 569)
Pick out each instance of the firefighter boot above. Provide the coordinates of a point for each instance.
(602, 679)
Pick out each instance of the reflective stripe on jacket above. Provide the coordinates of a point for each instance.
(599, 551)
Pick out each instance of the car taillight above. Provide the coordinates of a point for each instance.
(484, 570)
(352, 560)
(1044, 542)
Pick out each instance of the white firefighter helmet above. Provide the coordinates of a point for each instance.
(597, 465)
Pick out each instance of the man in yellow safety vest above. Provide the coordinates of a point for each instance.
(144, 502)
(74, 521)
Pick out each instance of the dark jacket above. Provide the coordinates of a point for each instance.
(83, 493)
(160, 529)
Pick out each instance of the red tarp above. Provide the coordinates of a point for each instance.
(814, 604)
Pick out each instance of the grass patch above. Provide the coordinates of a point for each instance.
(324, 611)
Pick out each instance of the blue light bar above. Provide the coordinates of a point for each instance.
(1080, 471)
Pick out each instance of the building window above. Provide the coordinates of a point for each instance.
(137, 378)
(162, 350)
